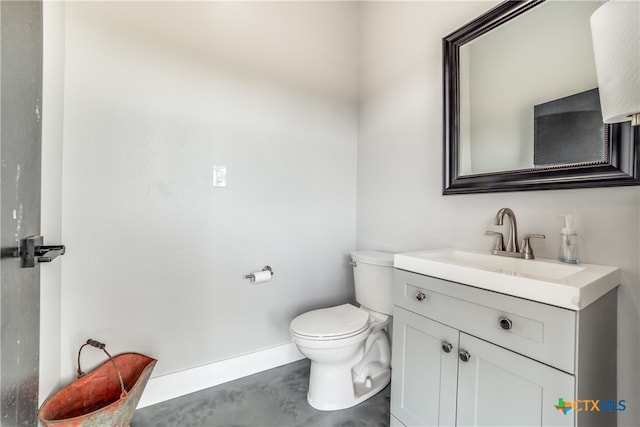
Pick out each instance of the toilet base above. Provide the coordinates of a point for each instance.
(381, 381)
(334, 386)
(362, 393)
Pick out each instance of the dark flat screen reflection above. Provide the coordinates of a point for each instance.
(569, 130)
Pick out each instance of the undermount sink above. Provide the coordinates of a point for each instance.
(543, 280)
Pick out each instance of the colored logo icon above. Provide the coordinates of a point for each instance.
(563, 406)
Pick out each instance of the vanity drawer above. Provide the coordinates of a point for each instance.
(540, 331)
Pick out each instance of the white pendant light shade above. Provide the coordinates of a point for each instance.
(615, 28)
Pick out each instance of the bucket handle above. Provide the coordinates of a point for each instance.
(101, 346)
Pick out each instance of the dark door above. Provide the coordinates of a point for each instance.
(20, 149)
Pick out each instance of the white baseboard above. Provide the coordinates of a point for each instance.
(188, 381)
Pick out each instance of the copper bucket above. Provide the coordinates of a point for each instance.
(106, 396)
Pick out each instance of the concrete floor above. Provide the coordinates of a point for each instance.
(273, 398)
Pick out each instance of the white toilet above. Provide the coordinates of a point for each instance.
(348, 346)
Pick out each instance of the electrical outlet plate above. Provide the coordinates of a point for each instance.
(219, 176)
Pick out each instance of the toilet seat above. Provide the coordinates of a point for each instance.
(332, 323)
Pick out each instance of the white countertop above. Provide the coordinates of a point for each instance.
(572, 286)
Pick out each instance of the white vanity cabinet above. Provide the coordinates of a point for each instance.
(468, 356)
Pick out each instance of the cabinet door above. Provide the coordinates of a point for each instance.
(497, 387)
(423, 382)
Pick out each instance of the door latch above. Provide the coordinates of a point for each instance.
(31, 250)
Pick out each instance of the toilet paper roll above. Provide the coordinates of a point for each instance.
(261, 276)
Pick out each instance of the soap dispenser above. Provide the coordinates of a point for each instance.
(569, 242)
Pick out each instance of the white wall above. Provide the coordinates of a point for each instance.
(400, 206)
(155, 95)
(51, 220)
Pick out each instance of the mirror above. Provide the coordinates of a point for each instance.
(521, 106)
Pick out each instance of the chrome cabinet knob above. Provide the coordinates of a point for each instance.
(464, 355)
(447, 347)
(421, 296)
(505, 323)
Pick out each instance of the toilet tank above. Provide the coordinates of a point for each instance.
(373, 278)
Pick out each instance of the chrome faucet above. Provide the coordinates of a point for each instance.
(512, 241)
(511, 248)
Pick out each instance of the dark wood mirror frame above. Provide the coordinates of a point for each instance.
(620, 169)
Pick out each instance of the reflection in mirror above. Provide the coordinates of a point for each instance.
(522, 109)
(569, 130)
(537, 57)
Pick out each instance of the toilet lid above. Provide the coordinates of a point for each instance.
(331, 322)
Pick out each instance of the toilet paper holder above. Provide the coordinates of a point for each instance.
(252, 275)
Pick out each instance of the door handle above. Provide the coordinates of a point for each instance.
(49, 253)
(31, 250)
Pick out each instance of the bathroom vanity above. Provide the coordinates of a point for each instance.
(481, 340)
